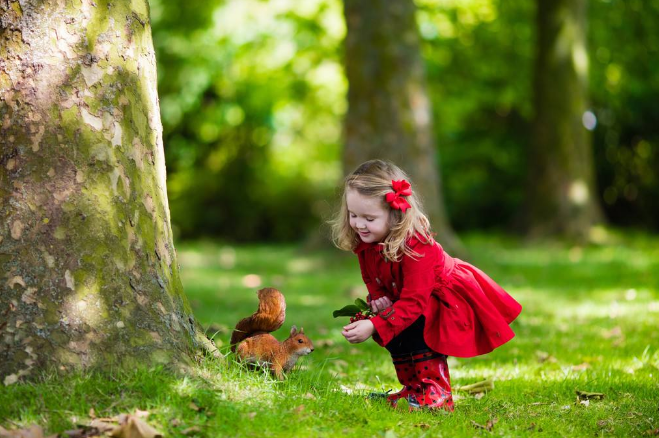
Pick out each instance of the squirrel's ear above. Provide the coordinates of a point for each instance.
(302, 330)
(293, 331)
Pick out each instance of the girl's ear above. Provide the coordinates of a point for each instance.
(293, 331)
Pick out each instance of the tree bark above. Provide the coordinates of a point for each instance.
(561, 195)
(90, 271)
(389, 113)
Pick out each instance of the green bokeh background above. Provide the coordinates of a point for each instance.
(253, 93)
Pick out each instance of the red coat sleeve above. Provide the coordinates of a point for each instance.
(375, 291)
(418, 283)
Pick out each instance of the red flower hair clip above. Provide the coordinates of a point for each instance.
(395, 198)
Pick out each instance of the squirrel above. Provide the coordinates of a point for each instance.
(252, 342)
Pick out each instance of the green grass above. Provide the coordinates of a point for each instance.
(589, 323)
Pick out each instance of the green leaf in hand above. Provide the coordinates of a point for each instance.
(361, 304)
(349, 310)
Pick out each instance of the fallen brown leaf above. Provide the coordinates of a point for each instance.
(474, 388)
(652, 432)
(478, 426)
(130, 426)
(191, 430)
(581, 367)
(32, 431)
(142, 414)
(103, 424)
(543, 356)
(83, 432)
(488, 426)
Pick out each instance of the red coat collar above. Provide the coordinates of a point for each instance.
(362, 246)
(411, 242)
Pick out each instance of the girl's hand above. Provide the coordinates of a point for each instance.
(380, 304)
(358, 331)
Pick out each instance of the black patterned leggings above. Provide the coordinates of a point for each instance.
(409, 340)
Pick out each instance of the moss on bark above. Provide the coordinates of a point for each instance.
(91, 277)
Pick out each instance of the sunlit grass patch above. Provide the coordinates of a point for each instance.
(589, 324)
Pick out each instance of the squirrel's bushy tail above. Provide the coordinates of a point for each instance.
(268, 318)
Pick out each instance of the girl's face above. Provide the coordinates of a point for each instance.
(368, 217)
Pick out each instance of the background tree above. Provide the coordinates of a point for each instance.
(90, 271)
(389, 114)
(561, 194)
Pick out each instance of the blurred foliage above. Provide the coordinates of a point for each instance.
(251, 98)
(253, 94)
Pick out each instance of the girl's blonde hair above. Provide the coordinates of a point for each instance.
(373, 179)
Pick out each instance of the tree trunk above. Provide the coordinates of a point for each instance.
(90, 271)
(389, 113)
(561, 195)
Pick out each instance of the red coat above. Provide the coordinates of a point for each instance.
(467, 313)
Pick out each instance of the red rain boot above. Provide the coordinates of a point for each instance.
(406, 374)
(435, 389)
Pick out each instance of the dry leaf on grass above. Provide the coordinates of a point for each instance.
(581, 367)
(131, 426)
(475, 388)
(82, 432)
(33, 431)
(124, 426)
(142, 414)
(103, 424)
(543, 357)
(489, 426)
(191, 430)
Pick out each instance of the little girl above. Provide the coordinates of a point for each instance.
(428, 305)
